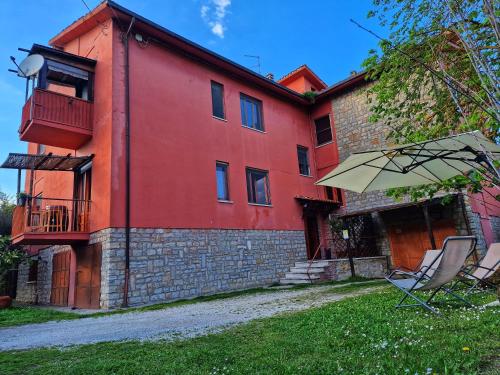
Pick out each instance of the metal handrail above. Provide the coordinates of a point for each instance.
(310, 262)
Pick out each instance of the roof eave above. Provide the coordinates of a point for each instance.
(110, 9)
(348, 83)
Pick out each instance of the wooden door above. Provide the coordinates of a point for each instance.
(410, 240)
(60, 278)
(312, 235)
(88, 277)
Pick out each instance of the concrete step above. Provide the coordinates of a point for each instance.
(305, 270)
(301, 276)
(315, 264)
(297, 281)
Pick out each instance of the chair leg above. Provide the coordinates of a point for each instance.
(433, 294)
(420, 302)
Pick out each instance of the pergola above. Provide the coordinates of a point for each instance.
(44, 162)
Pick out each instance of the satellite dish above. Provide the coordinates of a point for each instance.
(30, 66)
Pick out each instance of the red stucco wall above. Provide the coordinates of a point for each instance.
(175, 143)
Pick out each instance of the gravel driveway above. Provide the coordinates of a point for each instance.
(170, 323)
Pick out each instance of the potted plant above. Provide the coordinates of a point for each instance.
(22, 198)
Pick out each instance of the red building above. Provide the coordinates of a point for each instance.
(157, 169)
(160, 162)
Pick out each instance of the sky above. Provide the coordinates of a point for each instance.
(283, 33)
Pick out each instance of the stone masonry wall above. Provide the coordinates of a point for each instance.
(369, 267)
(475, 226)
(26, 291)
(167, 264)
(354, 134)
(495, 225)
(39, 291)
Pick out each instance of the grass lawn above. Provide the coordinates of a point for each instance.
(20, 315)
(361, 335)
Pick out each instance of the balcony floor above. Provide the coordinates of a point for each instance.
(51, 238)
(54, 134)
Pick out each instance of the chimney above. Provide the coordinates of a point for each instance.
(270, 76)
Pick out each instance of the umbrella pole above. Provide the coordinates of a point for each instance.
(428, 224)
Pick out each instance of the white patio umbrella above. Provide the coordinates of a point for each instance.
(414, 164)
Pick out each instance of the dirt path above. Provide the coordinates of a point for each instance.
(170, 323)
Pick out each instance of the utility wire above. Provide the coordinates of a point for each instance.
(86, 6)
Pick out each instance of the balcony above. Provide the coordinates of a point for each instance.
(51, 221)
(55, 119)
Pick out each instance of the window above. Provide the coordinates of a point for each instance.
(333, 194)
(258, 186)
(218, 100)
(33, 271)
(222, 185)
(40, 149)
(302, 154)
(323, 130)
(251, 112)
(329, 192)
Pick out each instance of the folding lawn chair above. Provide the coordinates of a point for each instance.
(427, 263)
(479, 273)
(449, 262)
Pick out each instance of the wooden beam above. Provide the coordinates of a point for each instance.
(428, 223)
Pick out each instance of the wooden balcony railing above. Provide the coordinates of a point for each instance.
(51, 215)
(56, 119)
(58, 108)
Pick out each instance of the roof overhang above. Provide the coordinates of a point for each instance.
(47, 162)
(64, 57)
(395, 206)
(318, 205)
(303, 71)
(344, 85)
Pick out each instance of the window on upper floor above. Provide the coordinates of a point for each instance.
(221, 169)
(323, 130)
(251, 112)
(40, 149)
(218, 100)
(303, 157)
(258, 186)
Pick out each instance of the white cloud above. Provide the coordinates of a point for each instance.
(204, 11)
(213, 13)
(218, 29)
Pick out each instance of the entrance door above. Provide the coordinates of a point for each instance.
(410, 240)
(312, 235)
(60, 278)
(82, 196)
(88, 277)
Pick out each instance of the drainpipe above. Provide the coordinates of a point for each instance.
(124, 38)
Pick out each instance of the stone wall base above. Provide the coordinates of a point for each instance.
(38, 291)
(369, 267)
(169, 264)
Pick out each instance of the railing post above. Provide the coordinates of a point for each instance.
(32, 104)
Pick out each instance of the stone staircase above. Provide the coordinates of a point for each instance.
(300, 275)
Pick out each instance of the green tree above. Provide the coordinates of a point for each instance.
(437, 74)
(6, 210)
(10, 257)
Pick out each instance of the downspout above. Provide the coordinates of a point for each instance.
(124, 39)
